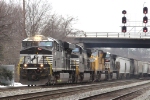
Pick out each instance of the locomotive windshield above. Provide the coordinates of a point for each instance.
(75, 50)
(49, 43)
(107, 55)
(26, 44)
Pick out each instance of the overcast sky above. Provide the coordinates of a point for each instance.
(101, 15)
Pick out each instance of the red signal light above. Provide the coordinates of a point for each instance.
(124, 29)
(145, 29)
(124, 12)
(124, 20)
(145, 19)
(145, 10)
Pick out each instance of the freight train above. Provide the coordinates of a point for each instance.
(46, 61)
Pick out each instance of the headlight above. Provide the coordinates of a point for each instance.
(41, 65)
(25, 65)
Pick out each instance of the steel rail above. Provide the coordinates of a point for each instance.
(124, 95)
(60, 91)
(120, 96)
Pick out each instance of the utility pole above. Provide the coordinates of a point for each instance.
(24, 24)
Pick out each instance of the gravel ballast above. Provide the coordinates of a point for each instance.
(72, 97)
(145, 96)
(25, 91)
(100, 91)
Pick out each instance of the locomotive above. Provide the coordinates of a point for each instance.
(46, 61)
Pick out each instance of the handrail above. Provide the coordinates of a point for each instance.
(111, 35)
(19, 65)
(49, 65)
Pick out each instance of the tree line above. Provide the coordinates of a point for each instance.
(39, 19)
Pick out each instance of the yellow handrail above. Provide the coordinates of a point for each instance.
(77, 68)
(49, 65)
(19, 65)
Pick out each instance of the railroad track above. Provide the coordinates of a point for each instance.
(65, 92)
(121, 94)
(126, 95)
(18, 88)
(52, 86)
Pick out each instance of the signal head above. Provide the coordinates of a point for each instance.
(145, 19)
(124, 20)
(145, 29)
(145, 10)
(124, 29)
(124, 12)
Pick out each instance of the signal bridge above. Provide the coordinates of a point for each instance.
(115, 39)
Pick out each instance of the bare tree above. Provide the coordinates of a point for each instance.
(5, 22)
(11, 31)
(58, 27)
(37, 12)
(5, 25)
(39, 20)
